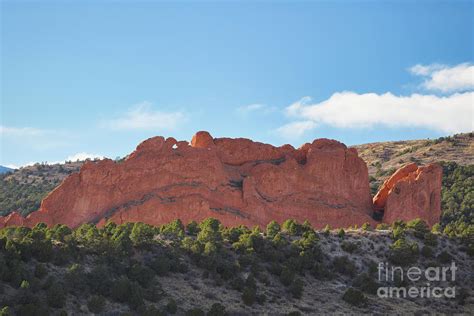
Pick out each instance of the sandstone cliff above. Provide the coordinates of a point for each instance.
(237, 181)
(411, 191)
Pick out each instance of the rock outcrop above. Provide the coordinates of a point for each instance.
(237, 181)
(411, 192)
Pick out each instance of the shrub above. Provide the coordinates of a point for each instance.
(135, 299)
(403, 252)
(399, 223)
(232, 234)
(287, 275)
(348, 246)
(354, 297)
(25, 284)
(445, 257)
(161, 265)
(382, 226)
(171, 306)
(217, 309)
(296, 288)
(98, 279)
(279, 241)
(307, 227)
(195, 312)
(121, 289)
(59, 232)
(366, 283)
(309, 240)
(210, 248)
(273, 228)
(436, 229)
(192, 228)
(142, 274)
(344, 265)
(327, 230)
(427, 251)
(210, 231)
(366, 227)
(142, 234)
(292, 227)
(5, 311)
(319, 271)
(420, 228)
(430, 239)
(341, 233)
(175, 229)
(398, 232)
(55, 295)
(249, 295)
(96, 304)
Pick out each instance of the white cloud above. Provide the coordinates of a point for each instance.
(254, 108)
(143, 117)
(450, 114)
(296, 129)
(445, 78)
(6, 131)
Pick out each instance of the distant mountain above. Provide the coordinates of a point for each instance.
(5, 169)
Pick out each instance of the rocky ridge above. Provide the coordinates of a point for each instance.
(237, 181)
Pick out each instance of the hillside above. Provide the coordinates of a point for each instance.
(384, 158)
(137, 269)
(24, 188)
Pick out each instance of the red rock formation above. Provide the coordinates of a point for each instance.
(237, 181)
(411, 192)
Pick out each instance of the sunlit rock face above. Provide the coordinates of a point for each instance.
(411, 192)
(237, 181)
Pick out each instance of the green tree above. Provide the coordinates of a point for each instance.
(192, 228)
(327, 230)
(291, 227)
(175, 229)
(249, 295)
(296, 288)
(210, 231)
(354, 297)
(96, 304)
(341, 233)
(142, 234)
(55, 295)
(273, 228)
(403, 252)
(419, 227)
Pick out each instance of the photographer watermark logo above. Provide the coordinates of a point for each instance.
(431, 279)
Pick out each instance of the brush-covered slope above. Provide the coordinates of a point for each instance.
(136, 269)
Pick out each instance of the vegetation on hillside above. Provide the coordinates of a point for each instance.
(127, 268)
(385, 157)
(23, 189)
(22, 197)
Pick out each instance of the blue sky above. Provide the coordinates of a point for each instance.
(98, 77)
